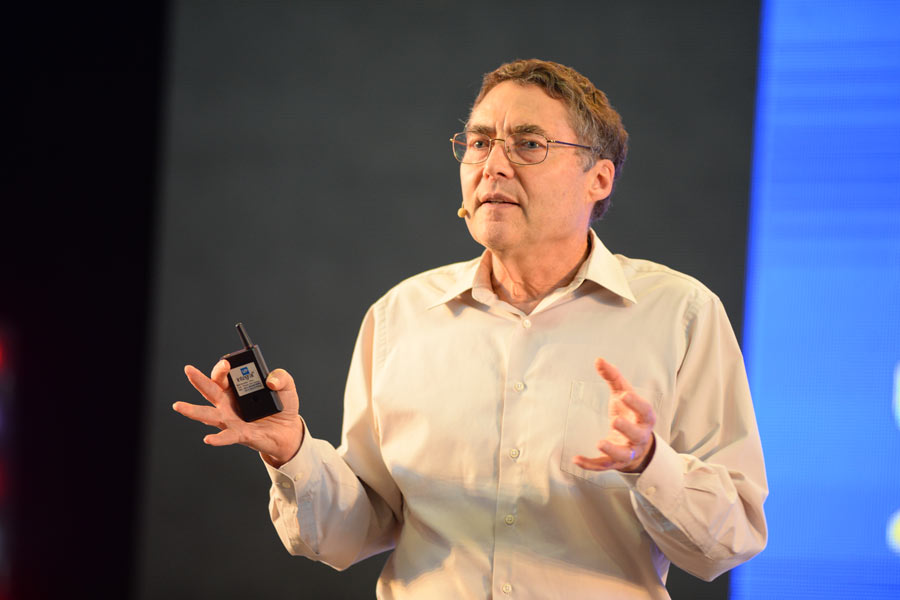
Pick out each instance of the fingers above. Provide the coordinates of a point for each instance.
(637, 435)
(207, 415)
(612, 457)
(630, 444)
(625, 393)
(623, 455)
(278, 435)
(642, 409)
(600, 463)
(617, 383)
(206, 386)
(223, 438)
(626, 458)
(219, 374)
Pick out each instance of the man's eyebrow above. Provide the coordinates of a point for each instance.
(530, 128)
(480, 129)
(525, 128)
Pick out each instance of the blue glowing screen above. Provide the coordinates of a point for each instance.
(822, 323)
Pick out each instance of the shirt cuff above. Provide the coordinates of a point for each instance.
(662, 481)
(296, 472)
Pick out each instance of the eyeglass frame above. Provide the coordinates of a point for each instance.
(506, 148)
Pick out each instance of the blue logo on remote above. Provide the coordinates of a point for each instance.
(245, 371)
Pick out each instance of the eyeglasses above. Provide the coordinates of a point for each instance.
(471, 148)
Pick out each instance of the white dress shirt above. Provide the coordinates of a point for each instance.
(461, 418)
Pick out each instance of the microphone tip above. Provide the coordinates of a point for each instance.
(462, 213)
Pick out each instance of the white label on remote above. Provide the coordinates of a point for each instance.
(246, 379)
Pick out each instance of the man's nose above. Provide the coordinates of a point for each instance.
(497, 163)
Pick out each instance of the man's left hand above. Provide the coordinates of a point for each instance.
(630, 443)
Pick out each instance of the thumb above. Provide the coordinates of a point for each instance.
(281, 381)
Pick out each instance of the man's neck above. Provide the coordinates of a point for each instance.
(524, 279)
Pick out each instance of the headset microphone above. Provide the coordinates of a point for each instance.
(462, 213)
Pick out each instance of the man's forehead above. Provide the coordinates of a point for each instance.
(518, 108)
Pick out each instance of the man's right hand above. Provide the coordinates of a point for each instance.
(277, 437)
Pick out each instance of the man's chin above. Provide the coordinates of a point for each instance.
(494, 235)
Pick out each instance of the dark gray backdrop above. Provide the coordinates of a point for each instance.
(306, 169)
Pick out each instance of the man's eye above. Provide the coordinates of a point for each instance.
(478, 143)
(529, 143)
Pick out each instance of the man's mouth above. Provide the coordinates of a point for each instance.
(494, 199)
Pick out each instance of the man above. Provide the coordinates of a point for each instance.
(488, 437)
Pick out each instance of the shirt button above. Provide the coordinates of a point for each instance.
(507, 589)
(514, 453)
(298, 476)
(509, 519)
(285, 484)
(519, 386)
(526, 323)
(651, 490)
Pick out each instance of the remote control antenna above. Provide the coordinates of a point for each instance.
(245, 339)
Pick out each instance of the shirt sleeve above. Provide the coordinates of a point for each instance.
(339, 506)
(701, 496)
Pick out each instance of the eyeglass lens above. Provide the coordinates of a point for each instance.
(522, 148)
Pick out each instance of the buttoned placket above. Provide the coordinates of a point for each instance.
(516, 416)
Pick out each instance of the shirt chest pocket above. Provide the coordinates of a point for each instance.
(587, 422)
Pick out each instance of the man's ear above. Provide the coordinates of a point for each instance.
(601, 177)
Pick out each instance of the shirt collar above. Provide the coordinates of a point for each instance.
(601, 267)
